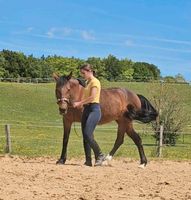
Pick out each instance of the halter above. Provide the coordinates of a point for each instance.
(67, 101)
(63, 99)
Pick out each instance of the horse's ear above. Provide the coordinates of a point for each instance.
(69, 76)
(55, 76)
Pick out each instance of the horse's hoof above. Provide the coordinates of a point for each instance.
(88, 163)
(106, 163)
(61, 162)
(108, 157)
(142, 166)
(107, 160)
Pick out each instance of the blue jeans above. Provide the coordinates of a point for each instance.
(90, 118)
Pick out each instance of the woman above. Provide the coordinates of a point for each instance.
(91, 114)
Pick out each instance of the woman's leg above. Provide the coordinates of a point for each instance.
(88, 129)
(87, 148)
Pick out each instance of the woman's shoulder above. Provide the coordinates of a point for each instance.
(95, 82)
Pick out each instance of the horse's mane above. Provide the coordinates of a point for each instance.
(62, 80)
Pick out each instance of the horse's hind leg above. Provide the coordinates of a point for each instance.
(137, 140)
(119, 140)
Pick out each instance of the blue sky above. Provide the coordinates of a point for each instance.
(153, 31)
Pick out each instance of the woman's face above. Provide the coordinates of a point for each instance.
(85, 74)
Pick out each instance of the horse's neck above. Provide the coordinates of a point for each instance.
(77, 92)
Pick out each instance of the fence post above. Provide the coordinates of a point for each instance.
(8, 139)
(160, 141)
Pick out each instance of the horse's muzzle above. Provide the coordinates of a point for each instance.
(63, 105)
(63, 111)
(63, 100)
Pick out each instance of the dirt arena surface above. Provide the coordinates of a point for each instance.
(40, 178)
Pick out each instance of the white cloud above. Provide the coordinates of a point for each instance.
(66, 31)
(163, 48)
(153, 38)
(80, 35)
(30, 29)
(51, 32)
(59, 32)
(23, 31)
(129, 42)
(86, 35)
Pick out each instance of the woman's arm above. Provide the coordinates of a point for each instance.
(89, 99)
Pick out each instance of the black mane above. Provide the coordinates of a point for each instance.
(62, 80)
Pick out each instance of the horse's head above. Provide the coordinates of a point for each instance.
(67, 91)
(62, 91)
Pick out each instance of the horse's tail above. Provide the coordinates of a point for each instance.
(147, 113)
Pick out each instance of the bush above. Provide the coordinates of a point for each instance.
(172, 113)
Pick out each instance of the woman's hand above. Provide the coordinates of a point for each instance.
(77, 104)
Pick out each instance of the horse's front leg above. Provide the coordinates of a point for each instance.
(67, 128)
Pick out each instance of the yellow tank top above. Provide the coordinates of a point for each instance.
(94, 82)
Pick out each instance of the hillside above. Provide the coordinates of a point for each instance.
(37, 102)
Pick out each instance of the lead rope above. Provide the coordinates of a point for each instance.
(75, 126)
(76, 131)
(74, 123)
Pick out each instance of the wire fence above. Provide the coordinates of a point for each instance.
(45, 139)
(27, 80)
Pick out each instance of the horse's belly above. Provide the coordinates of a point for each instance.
(106, 118)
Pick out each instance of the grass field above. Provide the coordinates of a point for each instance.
(36, 126)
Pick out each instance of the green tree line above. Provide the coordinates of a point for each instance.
(17, 64)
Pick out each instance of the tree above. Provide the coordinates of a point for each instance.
(112, 68)
(99, 66)
(64, 65)
(180, 78)
(169, 79)
(32, 67)
(2, 66)
(145, 71)
(15, 63)
(172, 112)
(126, 70)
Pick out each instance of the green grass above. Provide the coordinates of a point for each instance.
(36, 126)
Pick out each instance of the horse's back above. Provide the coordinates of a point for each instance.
(119, 97)
(113, 103)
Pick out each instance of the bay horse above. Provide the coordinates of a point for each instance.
(117, 104)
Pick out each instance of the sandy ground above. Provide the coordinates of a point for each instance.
(40, 178)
